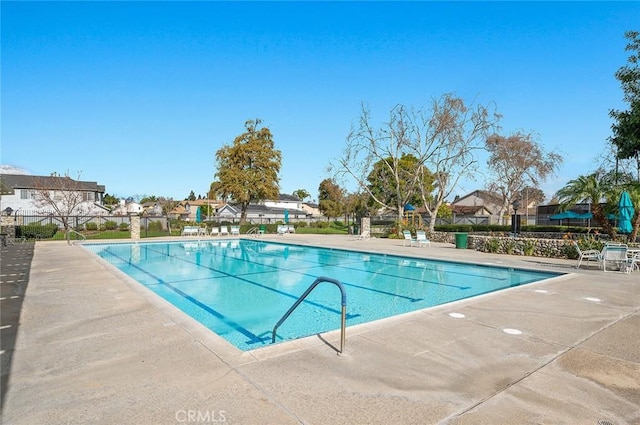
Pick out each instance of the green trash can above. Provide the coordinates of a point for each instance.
(461, 240)
(262, 229)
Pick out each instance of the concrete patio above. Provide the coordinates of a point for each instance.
(84, 344)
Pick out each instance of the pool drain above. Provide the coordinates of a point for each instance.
(605, 422)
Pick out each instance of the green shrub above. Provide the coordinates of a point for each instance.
(301, 224)
(36, 231)
(529, 247)
(509, 246)
(110, 225)
(123, 227)
(493, 245)
(154, 226)
(91, 226)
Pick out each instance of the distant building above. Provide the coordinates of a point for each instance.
(20, 192)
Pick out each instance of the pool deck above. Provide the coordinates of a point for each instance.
(83, 344)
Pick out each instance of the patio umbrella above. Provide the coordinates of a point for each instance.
(625, 207)
(286, 216)
(564, 215)
(198, 215)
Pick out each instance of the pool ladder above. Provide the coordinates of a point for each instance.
(318, 281)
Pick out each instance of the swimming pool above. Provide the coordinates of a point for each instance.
(241, 288)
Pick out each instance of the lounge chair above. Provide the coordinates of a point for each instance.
(408, 238)
(235, 230)
(291, 228)
(190, 231)
(616, 254)
(224, 230)
(215, 231)
(421, 238)
(588, 254)
(282, 229)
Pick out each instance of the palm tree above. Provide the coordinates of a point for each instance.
(592, 189)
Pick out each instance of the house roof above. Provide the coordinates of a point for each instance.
(23, 181)
(482, 194)
(290, 198)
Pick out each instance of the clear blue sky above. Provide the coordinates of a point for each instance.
(139, 96)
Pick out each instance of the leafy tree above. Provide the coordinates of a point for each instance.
(330, 198)
(592, 189)
(515, 162)
(626, 128)
(191, 197)
(248, 169)
(395, 186)
(151, 198)
(301, 194)
(531, 195)
(109, 200)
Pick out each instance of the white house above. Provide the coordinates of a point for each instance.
(22, 192)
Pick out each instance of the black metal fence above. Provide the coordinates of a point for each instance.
(50, 226)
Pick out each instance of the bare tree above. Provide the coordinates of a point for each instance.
(449, 135)
(383, 147)
(515, 162)
(441, 141)
(63, 196)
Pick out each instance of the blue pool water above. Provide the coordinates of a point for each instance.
(241, 288)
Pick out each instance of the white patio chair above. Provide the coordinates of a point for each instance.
(588, 254)
(633, 263)
(224, 230)
(215, 231)
(421, 238)
(408, 238)
(616, 254)
(235, 230)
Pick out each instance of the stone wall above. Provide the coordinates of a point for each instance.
(8, 226)
(537, 246)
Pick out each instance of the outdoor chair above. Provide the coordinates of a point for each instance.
(235, 230)
(421, 238)
(616, 254)
(633, 263)
(588, 254)
(224, 230)
(408, 238)
(282, 229)
(215, 231)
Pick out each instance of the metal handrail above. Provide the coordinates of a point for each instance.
(78, 233)
(303, 296)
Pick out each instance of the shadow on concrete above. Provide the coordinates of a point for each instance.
(15, 265)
